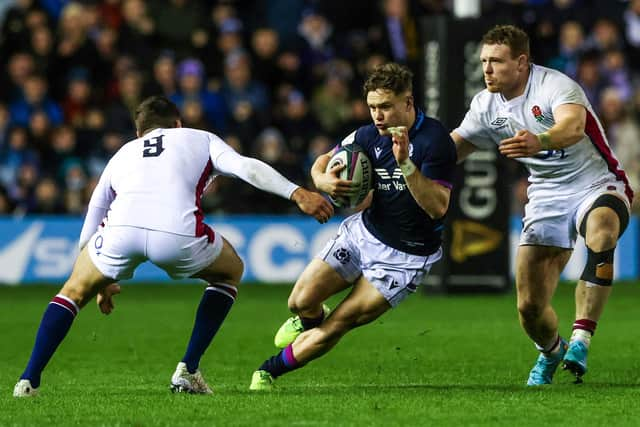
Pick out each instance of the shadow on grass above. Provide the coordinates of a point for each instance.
(437, 388)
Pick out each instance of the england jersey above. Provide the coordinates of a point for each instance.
(590, 162)
(156, 181)
(394, 217)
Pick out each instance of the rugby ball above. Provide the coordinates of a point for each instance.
(359, 170)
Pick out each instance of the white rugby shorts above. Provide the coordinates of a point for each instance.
(553, 219)
(118, 250)
(354, 251)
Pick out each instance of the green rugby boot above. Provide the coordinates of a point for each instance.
(290, 329)
(261, 381)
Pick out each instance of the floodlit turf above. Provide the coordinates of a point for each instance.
(435, 360)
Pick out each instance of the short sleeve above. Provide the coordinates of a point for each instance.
(564, 90)
(439, 161)
(472, 130)
(349, 139)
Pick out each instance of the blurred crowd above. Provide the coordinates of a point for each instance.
(276, 79)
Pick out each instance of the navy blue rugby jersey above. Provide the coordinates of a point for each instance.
(394, 217)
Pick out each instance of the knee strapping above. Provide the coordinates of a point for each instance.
(599, 268)
(612, 202)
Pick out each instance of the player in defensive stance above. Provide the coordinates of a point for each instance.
(149, 194)
(384, 251)
(542, 118)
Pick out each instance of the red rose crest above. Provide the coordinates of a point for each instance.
(537, 113)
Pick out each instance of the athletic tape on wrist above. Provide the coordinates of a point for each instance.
(545, 140)
(407, 167)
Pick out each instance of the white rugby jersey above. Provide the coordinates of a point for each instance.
(156, 181)
(491, 119)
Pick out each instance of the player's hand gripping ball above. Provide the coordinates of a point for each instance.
(358, 169)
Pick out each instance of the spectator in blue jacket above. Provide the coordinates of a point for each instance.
(35, 97)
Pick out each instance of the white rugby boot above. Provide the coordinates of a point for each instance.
(184, 382)
(24, 389)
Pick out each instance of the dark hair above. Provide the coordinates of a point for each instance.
(155, 112)
(390, 76)
(509, 35)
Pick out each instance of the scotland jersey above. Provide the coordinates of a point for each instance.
(394, 217)
(491, 119)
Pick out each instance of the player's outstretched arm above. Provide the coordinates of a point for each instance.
(262, 176)
(463, 147)
(313, 204)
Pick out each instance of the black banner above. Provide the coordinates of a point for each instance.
(476, 244)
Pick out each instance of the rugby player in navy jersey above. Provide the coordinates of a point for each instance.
(384, 251)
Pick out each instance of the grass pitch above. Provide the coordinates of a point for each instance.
(436, 360)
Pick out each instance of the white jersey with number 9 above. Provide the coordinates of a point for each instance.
(158, 180)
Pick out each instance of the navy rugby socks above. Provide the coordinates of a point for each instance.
(55, 324)
(213, 309)
(312, 322)
(281, 363)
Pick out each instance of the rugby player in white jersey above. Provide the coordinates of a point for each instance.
(148, 201)
(543, 119)
(383, 252)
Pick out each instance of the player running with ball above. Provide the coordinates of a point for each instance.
(542, 118)
(384, 251)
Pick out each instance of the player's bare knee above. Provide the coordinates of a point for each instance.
(303, 297)
(300, 306)
(605, 222)
(230, 272)
(233, 275)
(292, 303)
(602, 239)
(236, 272)
(228, 267)
(530, 309)
(302, 301)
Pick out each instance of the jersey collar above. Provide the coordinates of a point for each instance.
(417, 124)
